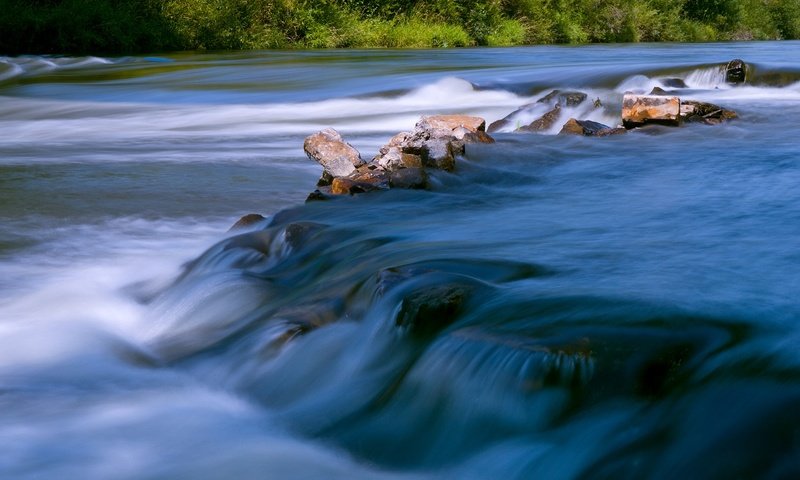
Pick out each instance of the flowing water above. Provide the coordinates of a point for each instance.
(628, 305)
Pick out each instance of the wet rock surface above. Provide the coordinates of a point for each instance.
(588, 128)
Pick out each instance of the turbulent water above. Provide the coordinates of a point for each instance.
(625, 307)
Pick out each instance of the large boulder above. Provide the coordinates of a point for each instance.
(336, 156)
(639, 110)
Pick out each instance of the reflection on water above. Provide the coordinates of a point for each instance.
(558, 307)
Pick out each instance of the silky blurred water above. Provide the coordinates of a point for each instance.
(630, 303)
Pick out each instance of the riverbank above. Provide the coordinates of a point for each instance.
(134, 26)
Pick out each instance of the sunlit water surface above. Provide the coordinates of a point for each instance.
(630, 303)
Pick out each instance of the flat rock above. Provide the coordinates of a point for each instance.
(639, 110)
(336, 156)
(433, 123)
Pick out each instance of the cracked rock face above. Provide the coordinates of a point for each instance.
(336, 156)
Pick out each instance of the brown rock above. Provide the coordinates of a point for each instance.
(411, 178)
(336, 156)
(247, 221)
(434, 123)
(588, 128)
(568, 99)
(638, 110)
(545, 122)
(694, 111)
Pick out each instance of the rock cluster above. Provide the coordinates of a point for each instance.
(403, 162)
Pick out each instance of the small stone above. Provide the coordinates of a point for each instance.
(703, 112)
(246, 221)
(318, 196)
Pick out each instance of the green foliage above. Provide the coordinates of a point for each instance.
(123, 26)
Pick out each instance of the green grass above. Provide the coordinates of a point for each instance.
(134, 26)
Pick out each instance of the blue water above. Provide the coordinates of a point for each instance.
(628, 305)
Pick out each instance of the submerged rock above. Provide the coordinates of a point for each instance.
(639, 110)
(409, 178)
(426, 311)
(674, 83)
(336, 156)
(247, 221)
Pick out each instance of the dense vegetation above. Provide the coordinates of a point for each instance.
(117, 26)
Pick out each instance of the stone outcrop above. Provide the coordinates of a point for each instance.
(640, 110)
(247, 221)
(403, 162)
(556, 98)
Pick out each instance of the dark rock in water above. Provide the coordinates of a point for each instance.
(336, 156)
(568, 99)
(588, 128)
(325, 180)
(411, 178)
(425, 312)
(658, 91)
(247, 221)
(694, 111)
(545, 122)
(674, 83)
(295, 235)
(318, 196)
(638, 110)
(735, 72)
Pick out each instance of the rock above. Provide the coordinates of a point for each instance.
(588, 128)
(325, 180)
(336, 156)
(658, 91)
(247, 221)
(318, 195)
(735, 72)
(411, 178)
(568, 99)
(394, 158)
(694, 111)
(674, 83)
(357, 184)
(434, 123)
(439, 154)
(638, 110)
(545, 122)
(426, 311)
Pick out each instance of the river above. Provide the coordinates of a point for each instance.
(629, 304)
